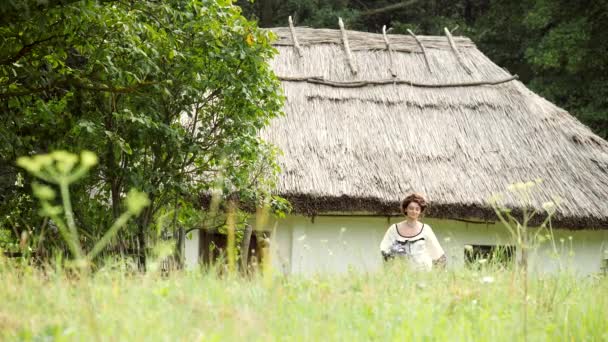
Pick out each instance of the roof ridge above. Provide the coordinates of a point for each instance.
(360, 40)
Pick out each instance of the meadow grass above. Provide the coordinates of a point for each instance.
(391, 304)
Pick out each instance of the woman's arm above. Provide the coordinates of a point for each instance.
(436, 252)
(386, 243)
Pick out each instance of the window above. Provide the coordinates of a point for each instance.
(475, 255)
(604, 266)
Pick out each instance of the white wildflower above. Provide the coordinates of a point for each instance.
(496, 198)
(487, 279)
(521, 186)
(549, 207)
(557, 200)
(19, 181)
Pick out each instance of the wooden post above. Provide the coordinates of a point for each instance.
(349, 56)
(390, 52)
(455, 50)
(426, 60)
(296, 45)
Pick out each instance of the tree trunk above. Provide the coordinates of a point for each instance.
(110, 164)
(179, 247)
(141, 244)
(115, 193)
(245, 247)
(142, 227)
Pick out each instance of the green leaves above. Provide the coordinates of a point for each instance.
(162, 92)
(119, 141)
(564, 46)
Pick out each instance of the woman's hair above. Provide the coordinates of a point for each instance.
(413, 198)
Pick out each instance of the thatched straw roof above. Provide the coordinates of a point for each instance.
(450, 124)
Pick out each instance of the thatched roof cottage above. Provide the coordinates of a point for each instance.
(372, 117)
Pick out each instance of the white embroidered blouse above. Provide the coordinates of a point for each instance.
(422, 249)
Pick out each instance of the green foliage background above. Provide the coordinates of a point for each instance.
(169, 95)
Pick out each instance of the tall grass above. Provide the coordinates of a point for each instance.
(393, 303)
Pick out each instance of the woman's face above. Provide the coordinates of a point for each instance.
(412, 210)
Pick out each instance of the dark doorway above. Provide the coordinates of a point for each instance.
(494, 254)
(212, 248)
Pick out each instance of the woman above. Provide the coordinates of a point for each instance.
(412, 239)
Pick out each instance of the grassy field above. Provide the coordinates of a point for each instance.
(391, 304)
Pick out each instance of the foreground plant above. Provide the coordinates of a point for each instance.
(62, 169)
(456, 305)
(523, 238)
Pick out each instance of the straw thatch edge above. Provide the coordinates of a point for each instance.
(310, 205)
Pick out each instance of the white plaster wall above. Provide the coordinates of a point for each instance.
(191, 250)
(335, 244)
(280, 243)
(579, 251)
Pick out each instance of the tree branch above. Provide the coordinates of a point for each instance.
(389, 8)
(25, 50)
(79, 85)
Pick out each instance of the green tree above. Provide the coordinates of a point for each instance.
(170, 95)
